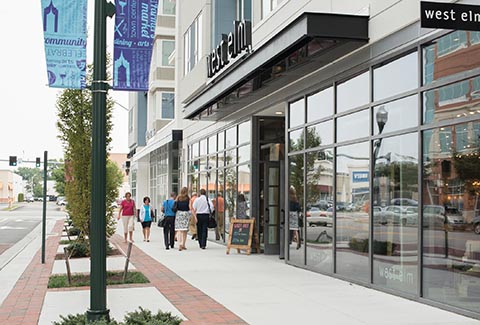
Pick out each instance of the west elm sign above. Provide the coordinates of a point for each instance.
(230, 47)
(450, 16)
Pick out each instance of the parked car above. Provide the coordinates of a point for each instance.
(404, 202)
(62, 201)
(29, 198)
(59, 198)
(476, 225)
(316, 216)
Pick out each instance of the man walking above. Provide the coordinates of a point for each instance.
(169, 226)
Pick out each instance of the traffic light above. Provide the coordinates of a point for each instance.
(12, 161)
(37, 162)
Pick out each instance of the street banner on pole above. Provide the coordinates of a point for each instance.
(135, 22)
(65, 39)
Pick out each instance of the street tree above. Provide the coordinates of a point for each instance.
(75, 114)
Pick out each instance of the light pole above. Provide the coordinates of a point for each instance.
(98, 267)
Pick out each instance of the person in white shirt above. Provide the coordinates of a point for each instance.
(202, 207)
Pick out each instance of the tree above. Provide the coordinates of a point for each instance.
(58, 175)
(34, 178)
(75, 126)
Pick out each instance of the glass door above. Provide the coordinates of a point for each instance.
(272, 189)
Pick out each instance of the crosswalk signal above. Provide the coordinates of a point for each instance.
(12, 161)
(37, 162)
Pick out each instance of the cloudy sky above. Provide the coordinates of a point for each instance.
(28, 113)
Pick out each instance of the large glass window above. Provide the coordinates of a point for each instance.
(319, 210)
(231, 135)
(297, 113)
(168, 105)
(192, 44)
(168, 7)
(396, 115)
(320, 105)
(167, 49)
(353, 126)
(353, 194)
(268, 6)
(296, 210)
(320, 134)
(395, 213)
(396, 77)
(353, 93)
(295, 140)
(451, 223)
(244, 130)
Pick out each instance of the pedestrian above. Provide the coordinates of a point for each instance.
(146, 217)
(293, 217)
(242, 207)
(127, 214)
(202, 207)
(182, 218)
(193, 225)
(169, 223)
(219, 204)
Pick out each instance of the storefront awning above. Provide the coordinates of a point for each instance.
(311, 41)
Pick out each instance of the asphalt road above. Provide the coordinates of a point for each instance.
(18, 223)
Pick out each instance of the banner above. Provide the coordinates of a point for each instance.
(65, 39)
(135, 22)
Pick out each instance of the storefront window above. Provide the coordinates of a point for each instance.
(450, 55)
(320, 134)
(244, 154)
(244, 130)
(395, 213)
(203, 147)
(353, 93)
(195, 150)
(296, 211)
(230, 176)
(353, 126)
(460, 99)
(231, 137)
(244, 199)
(320, 105)
(319, 210)
(396, 77)
(212, 144)
(451, 224)
(353, 194)
(231, 157)
(396, 115)
(295, 140)
(297, 113)
(221, 141)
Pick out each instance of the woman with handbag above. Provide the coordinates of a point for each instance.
(146, 217)
(182, 218)
(202, 209)
(127, 214)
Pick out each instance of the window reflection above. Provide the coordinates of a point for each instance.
(320, 134)
(320, 105)
(244, 154)
(212, 144)
(221, 141)
(353, 93)
(231, 137)
(230, 176)
(319, 211)
(295, 142)
(460, 99)
(243, 198)
(353, 126)
(352, 212)
(451, 217)
(450, 55)
(396, 77)
(395, 213)
(244, 130)
(401, 114)
(295, 217)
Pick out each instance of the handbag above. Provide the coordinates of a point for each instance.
(212, 223)
(161, 220)
(175, 207)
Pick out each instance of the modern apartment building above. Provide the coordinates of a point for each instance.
(349, 110)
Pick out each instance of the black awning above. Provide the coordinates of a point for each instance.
(311, 41)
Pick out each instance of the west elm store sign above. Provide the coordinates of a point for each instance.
(450, 16)
(230, 47)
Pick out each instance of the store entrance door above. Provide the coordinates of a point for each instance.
(273, 214)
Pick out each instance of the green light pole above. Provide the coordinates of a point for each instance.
(98, 260)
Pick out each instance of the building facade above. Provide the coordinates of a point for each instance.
(352, 112)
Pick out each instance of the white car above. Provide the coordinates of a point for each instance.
(29, 199)
(316, 217)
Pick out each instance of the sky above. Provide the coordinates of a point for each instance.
(28, 113)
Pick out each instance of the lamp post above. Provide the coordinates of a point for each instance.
(98, 268)
(382, 119)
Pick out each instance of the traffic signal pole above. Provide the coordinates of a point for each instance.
(98, 268)
(44, 214)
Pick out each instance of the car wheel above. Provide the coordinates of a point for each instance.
(476, 228)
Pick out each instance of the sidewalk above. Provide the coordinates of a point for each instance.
(210, 287)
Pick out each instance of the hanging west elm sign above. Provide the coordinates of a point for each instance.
(135, 23)
(230, 47)
(65, 41)
(450, 16)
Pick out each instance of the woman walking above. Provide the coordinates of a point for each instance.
(202, 207)
(127, 214)
(146, 215)
(169, 226)
(182, 218)
(193, 225)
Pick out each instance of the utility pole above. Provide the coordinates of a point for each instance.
(98, 267)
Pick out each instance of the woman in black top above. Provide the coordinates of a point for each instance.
(182, 218)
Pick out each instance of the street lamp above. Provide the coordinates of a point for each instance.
(382, 118)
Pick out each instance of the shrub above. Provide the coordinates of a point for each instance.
(79, 249)
(145, 316)
(20, 197)
(81, 319)
(73, 231)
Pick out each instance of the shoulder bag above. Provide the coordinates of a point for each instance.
(212, 223)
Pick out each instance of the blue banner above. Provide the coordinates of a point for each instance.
(360, 177)
(135, 22)
(65, 39)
